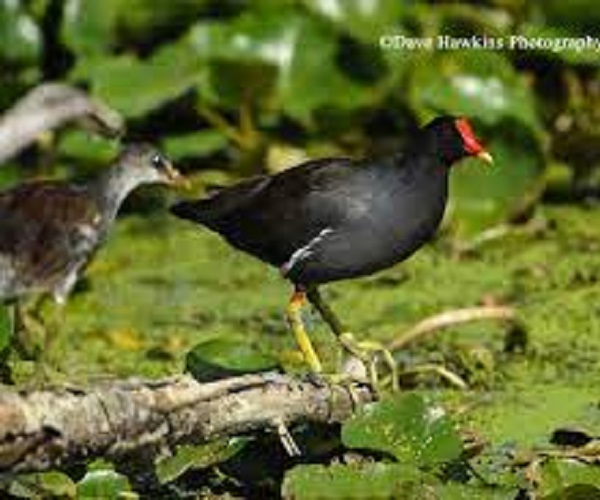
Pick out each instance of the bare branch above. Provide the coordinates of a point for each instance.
(55, 428)
(50, 106)
(452, 318)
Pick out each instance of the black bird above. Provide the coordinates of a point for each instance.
(50, 230)
(336, 218)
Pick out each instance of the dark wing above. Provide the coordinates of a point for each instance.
(221, 203)
(271, 217)
(40, 228)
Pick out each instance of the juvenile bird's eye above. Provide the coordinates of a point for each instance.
(158, 161)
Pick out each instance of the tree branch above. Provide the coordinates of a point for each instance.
(50, 106)
(53, 429)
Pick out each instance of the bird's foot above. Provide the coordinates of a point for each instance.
(365, 356)
(348, 380)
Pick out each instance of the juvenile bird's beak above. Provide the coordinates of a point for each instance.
(175, 178)
(486, 157)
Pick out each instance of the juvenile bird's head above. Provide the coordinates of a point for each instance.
(144, 164)
(453, 139)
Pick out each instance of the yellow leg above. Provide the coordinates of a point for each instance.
(294, 310)
(365, 351)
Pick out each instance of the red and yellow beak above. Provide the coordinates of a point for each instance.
(471, 144)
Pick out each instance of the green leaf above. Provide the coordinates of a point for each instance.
(371, 480)
(20, 38)
(482, 196)
(477, 84)
(197, 457)
(136, 87)
(218, 358)
(103, 483)
(406, 427)
(46, 485)
(195, 144)
(562, 478)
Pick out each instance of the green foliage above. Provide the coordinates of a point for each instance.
(515, 177)
(104, 483)
(408, 428)
(420, 436)
(5, 327)
(219, 358)
(20, 36)
(230, 84)
(194, 144)
(245, 72)
(371, 480)
(482, 85)
(135, 87)
(569, 479)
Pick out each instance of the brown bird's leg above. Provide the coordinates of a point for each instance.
(365, 351)
(294, 315)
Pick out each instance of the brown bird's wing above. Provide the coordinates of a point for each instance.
(43, 226)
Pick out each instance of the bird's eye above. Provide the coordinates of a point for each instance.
(158, 161)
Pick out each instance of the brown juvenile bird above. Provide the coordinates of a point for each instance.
(50, 230)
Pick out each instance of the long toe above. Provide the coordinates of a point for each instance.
(364, 358)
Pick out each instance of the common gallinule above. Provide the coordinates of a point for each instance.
(50, 230)
(337, 218)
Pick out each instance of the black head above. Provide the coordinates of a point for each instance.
(453, 139)
(147, 164)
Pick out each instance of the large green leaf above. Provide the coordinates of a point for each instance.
(482, 196)
(92, 28)
(408, 428)
(135, 86)
(300, 48)
(218, 358)
(103, 483)
(569, 479)
(371, 480)
(200, 143)
(478, 84)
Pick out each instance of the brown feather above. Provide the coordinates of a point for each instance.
(40, 223)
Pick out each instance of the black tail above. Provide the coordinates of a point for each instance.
(190, 210)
